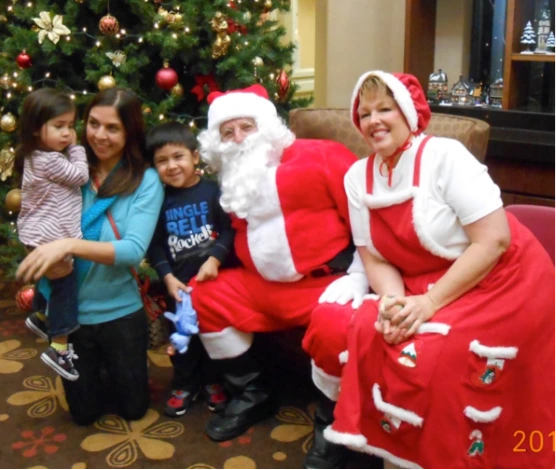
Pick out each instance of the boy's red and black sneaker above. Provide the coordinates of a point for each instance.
(179, 402)
(215, 397)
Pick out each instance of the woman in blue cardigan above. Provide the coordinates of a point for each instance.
(113, 333)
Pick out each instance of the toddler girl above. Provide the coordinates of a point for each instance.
(54, 168)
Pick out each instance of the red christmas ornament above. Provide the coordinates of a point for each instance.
(166, 78)
(24, 298)
(283, 82)
(23, 60)
(109, 25)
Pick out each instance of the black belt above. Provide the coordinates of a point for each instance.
(339, 264)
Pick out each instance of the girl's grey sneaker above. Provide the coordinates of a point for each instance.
(37, 326)
(61, 362)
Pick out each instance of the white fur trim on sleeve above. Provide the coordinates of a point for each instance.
(482, 416)
(405, 415)
(353, 441)
(326, 383)
(495, 352)
(227, 343)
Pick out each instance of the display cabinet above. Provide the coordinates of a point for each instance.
(522, 72)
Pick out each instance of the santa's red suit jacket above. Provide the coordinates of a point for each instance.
(300, 221)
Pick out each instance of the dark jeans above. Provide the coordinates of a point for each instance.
(62, 306)
(120, 348)
(194, 367)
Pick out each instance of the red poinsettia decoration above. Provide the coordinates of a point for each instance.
(205, 84)
(232, 25)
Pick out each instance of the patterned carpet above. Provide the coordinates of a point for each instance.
(37, 431)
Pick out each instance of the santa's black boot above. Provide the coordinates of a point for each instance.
(250, 398)
(324, 454)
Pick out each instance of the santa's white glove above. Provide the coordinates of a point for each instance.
(350, 287)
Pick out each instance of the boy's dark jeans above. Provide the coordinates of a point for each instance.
(62, 306)
(192, 368)
(119, 347)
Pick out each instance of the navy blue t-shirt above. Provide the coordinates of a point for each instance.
(192, 226)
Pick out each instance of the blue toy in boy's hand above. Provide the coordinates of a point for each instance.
(185, 320)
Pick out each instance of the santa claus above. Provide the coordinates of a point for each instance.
(290, 212)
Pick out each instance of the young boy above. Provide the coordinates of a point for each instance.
(193, 237)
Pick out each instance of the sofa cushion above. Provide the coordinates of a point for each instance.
(335, 124)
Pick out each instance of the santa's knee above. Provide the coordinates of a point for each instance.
(326, 336)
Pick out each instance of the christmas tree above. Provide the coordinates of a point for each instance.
(528, 38)
(550, 43)
(171, 53)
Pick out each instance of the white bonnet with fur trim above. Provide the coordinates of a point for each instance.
(408, 94)
(250, 102)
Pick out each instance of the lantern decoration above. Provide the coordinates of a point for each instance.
(109, 25)
(23, 60)
(8, 123)
(24, 298)
(105, 82)
(166, 78)
(13, 200)
(283, 82)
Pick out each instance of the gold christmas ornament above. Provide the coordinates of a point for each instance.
(8, 123)
(146, 110)
(7, 158)
(258, 62)
(109, 25)
(177, 90)
(13, 200)
(3, 19)
(219, 23)
(222, 42)
(268, 5)
(220, 46)
(5, 82)
(108, 81)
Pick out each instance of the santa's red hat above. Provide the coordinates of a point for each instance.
(408, 94)
(250, 102)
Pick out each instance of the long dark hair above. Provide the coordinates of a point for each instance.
(128, 175)
(39, 107)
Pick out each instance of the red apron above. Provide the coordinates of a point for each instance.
(473, 381)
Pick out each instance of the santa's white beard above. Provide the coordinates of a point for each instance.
(242, 172)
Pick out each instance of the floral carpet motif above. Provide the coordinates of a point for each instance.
(38, 432)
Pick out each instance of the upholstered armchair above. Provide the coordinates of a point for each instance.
(335, 124)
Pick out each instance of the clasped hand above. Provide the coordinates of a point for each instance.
(399, 317)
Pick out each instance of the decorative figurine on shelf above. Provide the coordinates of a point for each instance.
(475, 92)
(528, 38)
(462, 92)
(185, 321)
(550, 44)
(495, 95)
(543, 30)
(438, 87)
